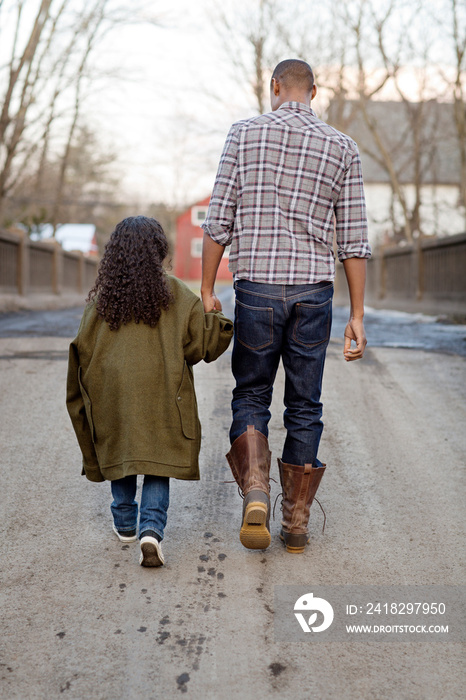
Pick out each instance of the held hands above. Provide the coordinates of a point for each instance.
(354, 331)
(211, 302)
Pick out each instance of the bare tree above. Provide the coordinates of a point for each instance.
(382, 45)
(93, 23)
(20, 91)
(89, 187)
(251, 39)
(458, 22)
(362, 52)
(44, 83)
(384, 155)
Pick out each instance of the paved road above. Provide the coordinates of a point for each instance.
(384, 328)
(81, 619)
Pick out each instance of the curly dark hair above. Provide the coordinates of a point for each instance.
(131, 282)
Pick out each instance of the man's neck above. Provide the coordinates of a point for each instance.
(293, 96)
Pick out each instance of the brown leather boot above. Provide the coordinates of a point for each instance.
(299, 486)
(249, 460)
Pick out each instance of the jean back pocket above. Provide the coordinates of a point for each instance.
(253, 325)
(313, 323)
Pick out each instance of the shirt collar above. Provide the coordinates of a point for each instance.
(300, 106)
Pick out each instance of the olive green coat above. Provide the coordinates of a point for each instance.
(130, 392)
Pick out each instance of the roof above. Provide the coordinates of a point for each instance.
(199, 203)
(399, 124)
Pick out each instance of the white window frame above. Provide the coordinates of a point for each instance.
(196, 247)
(195, 211)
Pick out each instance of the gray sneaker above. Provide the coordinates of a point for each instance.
(151, 552)
(125, 535)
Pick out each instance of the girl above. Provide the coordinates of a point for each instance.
(130, 388)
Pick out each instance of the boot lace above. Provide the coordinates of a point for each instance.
(233, 481)
(315, 499)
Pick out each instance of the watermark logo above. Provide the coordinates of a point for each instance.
(308, 604)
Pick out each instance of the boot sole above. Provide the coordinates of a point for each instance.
(254, 533)
(297, 548)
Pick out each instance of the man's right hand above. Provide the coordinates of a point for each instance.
(211, 302)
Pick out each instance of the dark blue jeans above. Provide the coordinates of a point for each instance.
(291, 322)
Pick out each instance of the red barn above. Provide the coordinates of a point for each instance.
(188, 245)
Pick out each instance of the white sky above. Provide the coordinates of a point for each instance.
(167, 108)
(167, 131)
(169, 117)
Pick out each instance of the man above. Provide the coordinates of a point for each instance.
(286, 183)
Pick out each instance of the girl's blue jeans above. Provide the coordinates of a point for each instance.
(291, 323)
(153, 508)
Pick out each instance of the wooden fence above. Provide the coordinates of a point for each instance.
(430, 272)
(34, 267)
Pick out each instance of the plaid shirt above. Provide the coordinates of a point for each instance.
(286, 181)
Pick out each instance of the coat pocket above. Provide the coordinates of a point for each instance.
(186, 402)
(87, 405)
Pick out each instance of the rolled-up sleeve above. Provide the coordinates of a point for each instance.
(350, 212)
(222, 207)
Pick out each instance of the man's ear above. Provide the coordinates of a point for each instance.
(275, 87)
(314, 91)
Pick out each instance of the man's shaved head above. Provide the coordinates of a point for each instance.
(294, 73)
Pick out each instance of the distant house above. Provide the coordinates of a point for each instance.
(188, 244)
(439, 166)
(72, 237)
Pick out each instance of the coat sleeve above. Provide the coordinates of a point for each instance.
(77, 411)
(208, 335)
